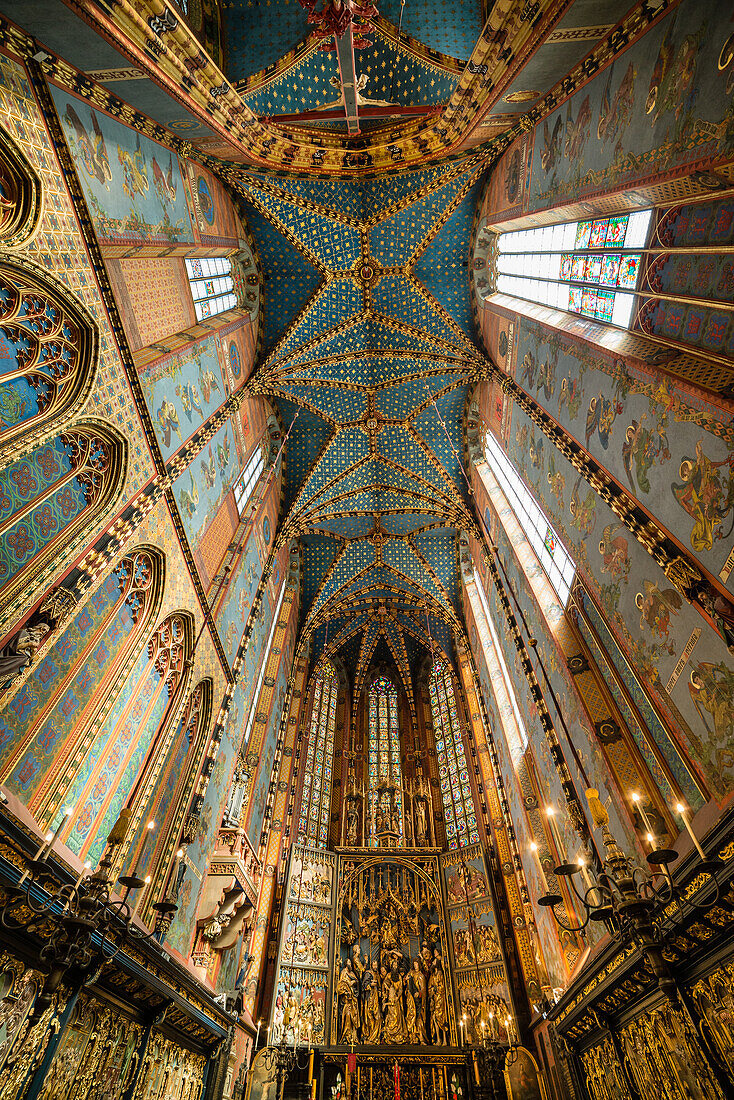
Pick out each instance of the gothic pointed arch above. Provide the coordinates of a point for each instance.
(21, 196)
(173, 772)
(143, 709)
(48, 354)
(50, 501)
(72, 683)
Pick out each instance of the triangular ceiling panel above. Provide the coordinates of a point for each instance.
(290, 280)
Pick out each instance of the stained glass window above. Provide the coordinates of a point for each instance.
(313, 826)
(385, 772)
(587, 267)
(458, 803)
(552, 554)
(212, 286)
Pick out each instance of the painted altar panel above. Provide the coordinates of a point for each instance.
(299, 1006)
(662, 103)
(674, 650)
(391, 978)
(666, 444)
(133, 186)
(478, 962)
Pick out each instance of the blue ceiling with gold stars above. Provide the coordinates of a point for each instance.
(368, 354)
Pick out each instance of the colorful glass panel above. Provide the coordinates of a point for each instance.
(384, 746)
(313, 824)
(458, 804)
(538, 264)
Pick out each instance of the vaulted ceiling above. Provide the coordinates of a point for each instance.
(368, 355)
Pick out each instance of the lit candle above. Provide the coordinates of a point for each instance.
(585, 873)
(257, 1037)
(491, 1025)
(141, 895)
(684, 814)
(50, 845)
(534, 850)
(46, 841)
(82, 874)
(645, 819)
(146, 836)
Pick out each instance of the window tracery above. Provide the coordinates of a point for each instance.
(20, 195)
(53, 493)
(313, 825)
(212, 285)
(48, 351)
(458, 802)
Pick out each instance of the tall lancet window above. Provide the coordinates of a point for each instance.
(385, 772)
(313, 826)
(458, 803)
(591, 267)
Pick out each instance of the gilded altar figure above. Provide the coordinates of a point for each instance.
(417, 988)
(347, 990)
(421, 829)
(352, 823)
(394, 1030)
(372, 1022)
(437, 997)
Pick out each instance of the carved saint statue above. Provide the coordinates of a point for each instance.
(421, 829)
(417, 985)
(394, 1030)
(437, 997)
(347, 990)
(352, 823)
(372, 1023)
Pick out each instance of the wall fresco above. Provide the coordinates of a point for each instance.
(669, 446)
(650, 619)
(197, 855)
(46, 477)
(133, 186)
(201, 488)
(182, 391)
(662, 103)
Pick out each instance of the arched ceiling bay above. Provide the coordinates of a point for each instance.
(368, 354)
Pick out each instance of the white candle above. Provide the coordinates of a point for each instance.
(684, 814)
(258, 1033)
(638, 803)
(534, 850)
(68, 810)
(82, 874)
(141, 895)
(585, 874)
